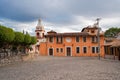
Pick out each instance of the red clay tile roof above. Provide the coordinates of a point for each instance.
(115, 43)
(69, 34)
(51, 31)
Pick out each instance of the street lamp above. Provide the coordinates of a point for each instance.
(98, 36)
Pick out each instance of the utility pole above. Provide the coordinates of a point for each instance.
(98, 36)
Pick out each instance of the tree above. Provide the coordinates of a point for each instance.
(33, 40)
(19, 38)
(27, 39)
(112, 32)
(15, 41)
(6, 35)
(26, 43)
(10, 35)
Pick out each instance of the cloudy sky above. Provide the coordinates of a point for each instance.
(59, 15)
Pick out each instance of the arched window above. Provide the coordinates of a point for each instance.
(38, 34)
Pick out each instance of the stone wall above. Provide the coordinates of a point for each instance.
(17, 58)
(10, 60)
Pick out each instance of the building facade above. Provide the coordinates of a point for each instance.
(112, 47)
(84, 43)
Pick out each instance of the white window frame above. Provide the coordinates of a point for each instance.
(48, 51)
(76, 39)
(83, 49)
(66, 50)
(95, 49)
(76, 50)
(49, 39)
(83, 40)
(60, 50)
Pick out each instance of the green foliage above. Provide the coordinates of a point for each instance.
(27, 39)
(15, 40)
(112, 32)
(19, 38)
(33, 40)
(11, 35)
(6, 34)
(2, 33)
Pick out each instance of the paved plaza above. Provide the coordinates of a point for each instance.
(62, 68)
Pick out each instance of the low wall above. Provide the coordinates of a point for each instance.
(16, 59)
(10, 60)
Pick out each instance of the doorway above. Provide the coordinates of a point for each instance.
(51, 51)
(68, 51)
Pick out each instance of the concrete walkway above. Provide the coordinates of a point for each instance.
(62, 68)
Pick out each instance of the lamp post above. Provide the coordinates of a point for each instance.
(98, 36)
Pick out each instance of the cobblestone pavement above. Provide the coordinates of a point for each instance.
(62, 68)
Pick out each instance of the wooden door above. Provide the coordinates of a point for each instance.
(51, 52)
(68, 50)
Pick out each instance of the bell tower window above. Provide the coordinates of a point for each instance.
(38, 34)
(92, 31)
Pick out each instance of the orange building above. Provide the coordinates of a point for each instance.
(84, 43)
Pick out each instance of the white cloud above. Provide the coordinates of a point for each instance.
(108, 22)
(79, 22)
(19, 26)
(59, 15)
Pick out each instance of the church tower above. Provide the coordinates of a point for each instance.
(39, 30)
